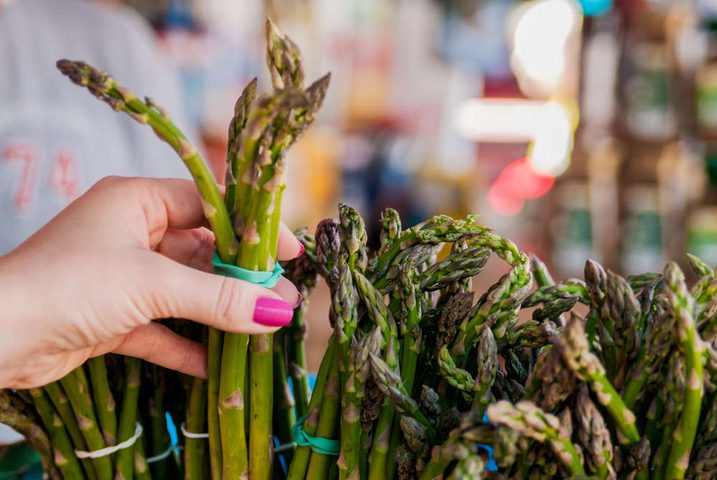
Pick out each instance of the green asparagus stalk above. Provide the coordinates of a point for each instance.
(107, 89)
(585, 365)
(571, 288)
(329, 414)
(499, 306)
(215, 339)
(691, 344)
(382, 317)
(59, 400)
(551, 382)
(141, 468)
(300, 464)
(284, 416)
(128, 419)
(530, 421)
(458, 266)
(158, 432)
(103, 399)
(64, 455)
(195, 448)
(594, 436)
(302, 273)
(390, 383)
(437, 230)
(390, 228)
(36, 437)
(76, 388)
(352, 396)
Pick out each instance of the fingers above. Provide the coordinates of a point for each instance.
(289, 245)
(158, 344)
(168, 289)
(288, 291)
(149, 206)
(194, 248)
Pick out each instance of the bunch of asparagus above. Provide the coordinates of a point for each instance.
(235, 404)
(79, 414)
(606, 377)
(418, 381)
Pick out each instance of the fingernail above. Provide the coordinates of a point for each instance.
(272, 312)
(299, 301)
(302, 249)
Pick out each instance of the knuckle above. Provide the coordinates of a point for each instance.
(229, 301)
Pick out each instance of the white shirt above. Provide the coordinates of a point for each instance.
(56, 140)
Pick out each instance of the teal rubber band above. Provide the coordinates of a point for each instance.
(262, 278)
(324, 446)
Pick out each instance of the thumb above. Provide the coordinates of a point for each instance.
(228, 304)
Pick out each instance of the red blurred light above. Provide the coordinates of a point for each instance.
(515, 183)
(502, 203)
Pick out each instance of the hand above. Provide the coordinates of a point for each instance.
(92, 280)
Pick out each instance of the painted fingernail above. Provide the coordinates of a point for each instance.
(272, 312)
(299, 301)
(302, 249)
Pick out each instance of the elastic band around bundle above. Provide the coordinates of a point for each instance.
(491, 466)
(103, 452)
(266, 279)
(324, 446)
(165, 454)
(196, 436)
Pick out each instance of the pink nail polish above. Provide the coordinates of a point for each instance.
(302, 249)
(272, 312)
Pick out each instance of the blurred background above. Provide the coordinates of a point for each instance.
(577, 128)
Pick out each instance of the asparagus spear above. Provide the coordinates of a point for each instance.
(390, 228)
(302, 273)
(128, 419)
(457, 266)
(499, 306)
(107, 89)
(284, 415)
(59, 400)
(319, 464)
(159, 439)
(76, 388)
(530, 421)
(64, 456)
(104, 401)
(571, 288)
(29, 427)
(584, 364)
(594, 436)
(302, 456)
(699, 267)
(434, 231)
(195, 448)
(691, 344)
(390, 383)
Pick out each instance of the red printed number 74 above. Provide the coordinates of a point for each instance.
(63, 176)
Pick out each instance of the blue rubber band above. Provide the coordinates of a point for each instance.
(491, 466)
(324, 446)
(262, 278)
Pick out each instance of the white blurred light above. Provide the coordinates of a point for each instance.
(547, 125)
(498, 120)
(542, 29)
(552, 142)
